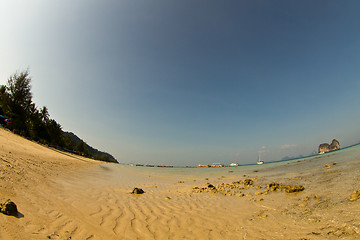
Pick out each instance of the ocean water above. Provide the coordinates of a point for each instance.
(289, 169)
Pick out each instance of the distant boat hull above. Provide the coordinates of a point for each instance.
(260, 162)
(217, 165)
(202, 166)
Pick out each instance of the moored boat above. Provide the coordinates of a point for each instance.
(217, 165)
(259, 161)
(202, 166)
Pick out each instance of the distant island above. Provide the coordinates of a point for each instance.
(325, 147)
(24, 118)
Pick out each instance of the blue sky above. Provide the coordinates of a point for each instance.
(189, 82)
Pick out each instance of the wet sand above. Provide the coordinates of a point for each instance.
(63, 196)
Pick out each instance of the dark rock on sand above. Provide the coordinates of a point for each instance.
(137, 191)
(325, 147)
(8, 208)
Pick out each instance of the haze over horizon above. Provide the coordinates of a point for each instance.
(191, 82)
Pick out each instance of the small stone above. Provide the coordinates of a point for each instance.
(355, 195)
(167, 198)
(137, 191)
(327, 166)
(305, 199)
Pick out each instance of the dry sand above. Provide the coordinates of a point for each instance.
(63, 196)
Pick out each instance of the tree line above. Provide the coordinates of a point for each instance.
(34, 123)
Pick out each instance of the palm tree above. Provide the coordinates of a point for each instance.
(44, 113)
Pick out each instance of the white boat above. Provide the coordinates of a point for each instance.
(259, 161)
(233, 165)
(217, 165)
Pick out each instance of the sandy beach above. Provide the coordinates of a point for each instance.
(64, 196)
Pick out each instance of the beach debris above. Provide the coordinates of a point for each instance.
(137, 191)
(235, 188)
(248, 182)
(8, 208)
(355, 195)
(294, 188)
(327, 166)
(240, 194)
(180, 181)
(274, 186)
(167, 198)
(288, 188)
(305, 199)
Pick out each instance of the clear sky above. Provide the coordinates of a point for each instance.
(191, 81)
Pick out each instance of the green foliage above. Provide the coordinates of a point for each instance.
(68, 144)
(82, 148)
(18, 101)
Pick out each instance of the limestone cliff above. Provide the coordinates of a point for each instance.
(325, 147)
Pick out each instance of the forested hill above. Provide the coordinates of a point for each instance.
(76, 141)
(20, 114)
